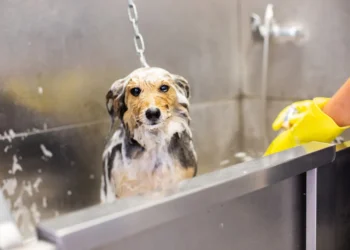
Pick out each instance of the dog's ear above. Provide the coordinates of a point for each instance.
(109, 103)
(115, 99)
(182, 85)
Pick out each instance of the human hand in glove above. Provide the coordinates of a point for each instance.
(320, 119)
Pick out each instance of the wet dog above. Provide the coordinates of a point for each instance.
(153, 148)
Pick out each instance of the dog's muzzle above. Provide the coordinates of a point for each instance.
(153, 115)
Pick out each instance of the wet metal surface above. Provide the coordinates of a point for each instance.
(130, 217)
(333, 204)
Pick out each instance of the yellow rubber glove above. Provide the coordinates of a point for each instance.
(303, 122)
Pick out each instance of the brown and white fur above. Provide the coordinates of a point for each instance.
(153, 148)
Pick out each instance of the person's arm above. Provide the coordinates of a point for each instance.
(338, 107)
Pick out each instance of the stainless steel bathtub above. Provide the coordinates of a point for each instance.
(267, 203)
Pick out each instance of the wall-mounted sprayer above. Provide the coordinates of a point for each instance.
(272, 28)
(262, 31)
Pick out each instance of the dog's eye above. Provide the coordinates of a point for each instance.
(135, 91)
(164, 88)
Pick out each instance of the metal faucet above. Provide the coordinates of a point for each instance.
(261, 32)
(272, 28)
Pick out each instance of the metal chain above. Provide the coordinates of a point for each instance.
(138, 39)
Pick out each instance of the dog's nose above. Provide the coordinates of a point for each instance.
(153, 114)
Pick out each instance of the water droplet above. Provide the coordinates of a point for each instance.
(224, 162)
(15, 166)
(6, 149)
(240, 155)
(36, 184)
(44, 202)
(40, 90)
(46, 152)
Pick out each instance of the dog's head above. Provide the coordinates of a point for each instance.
(148, 97)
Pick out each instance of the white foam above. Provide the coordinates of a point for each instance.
(6, 149)
(22, 214)
(224, 162)
(12, 133)
(45, 151)
(240, 155)
(10, 237)
(40, 90)
(44, 202)
(35, 212)
(248, 158)
(15, 166)
(18, 202)
(37, 183)
(9, 185)
(28, 188)
(7, 136)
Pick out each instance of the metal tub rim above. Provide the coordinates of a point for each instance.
(94, 223)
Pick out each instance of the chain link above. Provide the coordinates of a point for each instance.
(138, 39)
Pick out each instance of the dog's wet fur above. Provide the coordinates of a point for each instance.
(153, 148)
